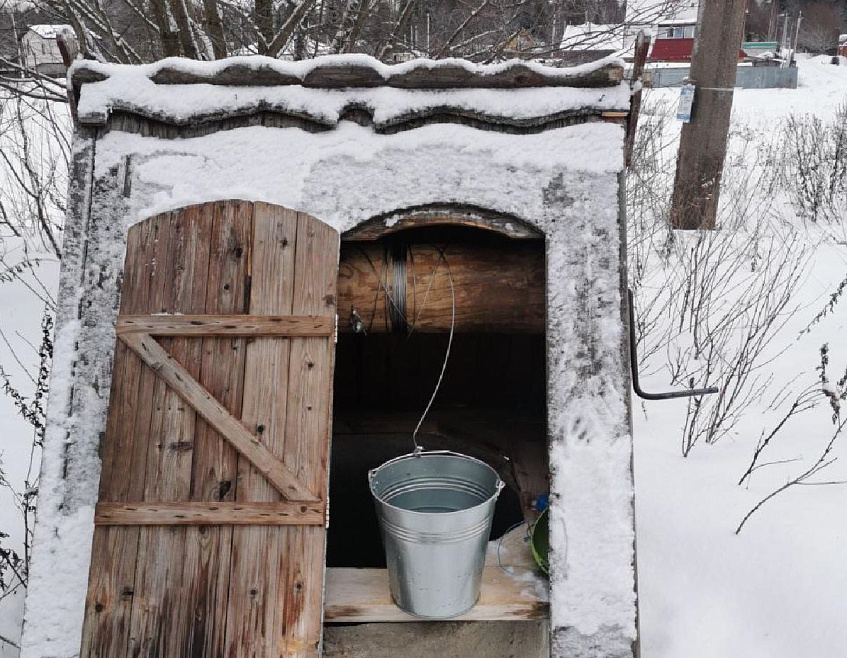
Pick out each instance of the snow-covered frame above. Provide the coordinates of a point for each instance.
(349, 140)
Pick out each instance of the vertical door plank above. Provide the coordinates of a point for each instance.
(214, 475)
(307, 432)
(161, 615)
(206, 564)
(111, 591)
(254, 614)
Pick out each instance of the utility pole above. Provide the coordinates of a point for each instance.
(796, 37)
(702, 144)
(785, 44)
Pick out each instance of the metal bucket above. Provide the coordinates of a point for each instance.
(435, 510)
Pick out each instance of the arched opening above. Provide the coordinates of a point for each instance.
(401, 294)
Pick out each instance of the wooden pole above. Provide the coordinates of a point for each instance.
(642, 46)
(702, 144)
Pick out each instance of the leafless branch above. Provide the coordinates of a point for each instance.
(821, 463)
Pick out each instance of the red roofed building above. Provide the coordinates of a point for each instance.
(672, 24)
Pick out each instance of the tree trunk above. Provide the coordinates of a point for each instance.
(214, 28)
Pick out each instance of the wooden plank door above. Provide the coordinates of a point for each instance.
(210, 528)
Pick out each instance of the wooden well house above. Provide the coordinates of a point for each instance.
(265, 266)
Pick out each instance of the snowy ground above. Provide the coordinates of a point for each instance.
(774, 591)
(777, 589)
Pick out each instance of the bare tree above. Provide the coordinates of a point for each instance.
(819, 28)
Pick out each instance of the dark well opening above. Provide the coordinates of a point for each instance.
(491, 403)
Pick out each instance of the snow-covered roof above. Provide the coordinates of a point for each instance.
(593, 36)
(683, 18)
(50, 31)
(180, 91)
(666, 12)
(343, 71)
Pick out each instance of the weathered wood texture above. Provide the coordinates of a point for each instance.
(226, 325)
(703, 139)
(279, 513)
(194, 455)
(443, 215)
(362, 595)
(331, 73)
(642, 47)
(126, 117)
(216, 415)
(397, 287)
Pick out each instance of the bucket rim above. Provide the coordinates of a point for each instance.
(417, 454)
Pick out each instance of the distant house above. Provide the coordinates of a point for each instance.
(41, 51)
(591, 41)
(674, 41)
(842, 45)
(671, 23)
(760, 49)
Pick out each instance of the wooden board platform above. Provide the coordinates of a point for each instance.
(362, 595)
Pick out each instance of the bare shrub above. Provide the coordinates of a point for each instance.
(825, 388)
(648, 238)
(815, 166)
(709, 303)
(34, 134)
(819, 27)
(34, 150)
(14, 563)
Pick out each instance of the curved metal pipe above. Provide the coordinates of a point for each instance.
(633, 360)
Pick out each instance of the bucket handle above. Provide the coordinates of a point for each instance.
(419, 451)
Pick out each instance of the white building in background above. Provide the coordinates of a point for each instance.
(40, 49)
(656, 16)
(670, 23)
(594, 36)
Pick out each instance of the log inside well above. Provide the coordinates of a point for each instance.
(407, 287)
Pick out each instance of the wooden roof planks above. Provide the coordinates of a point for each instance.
(351, 76)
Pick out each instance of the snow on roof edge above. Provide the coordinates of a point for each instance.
(386, 72)
(185, 104)
(46, 31)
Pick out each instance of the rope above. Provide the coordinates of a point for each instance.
(397, 310)
(418, 448)
(381, 280)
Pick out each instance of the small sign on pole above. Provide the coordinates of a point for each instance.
(686, 100)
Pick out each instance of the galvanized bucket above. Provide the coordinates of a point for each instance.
(435, 510)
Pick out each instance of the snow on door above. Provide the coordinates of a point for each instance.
(210, 530)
